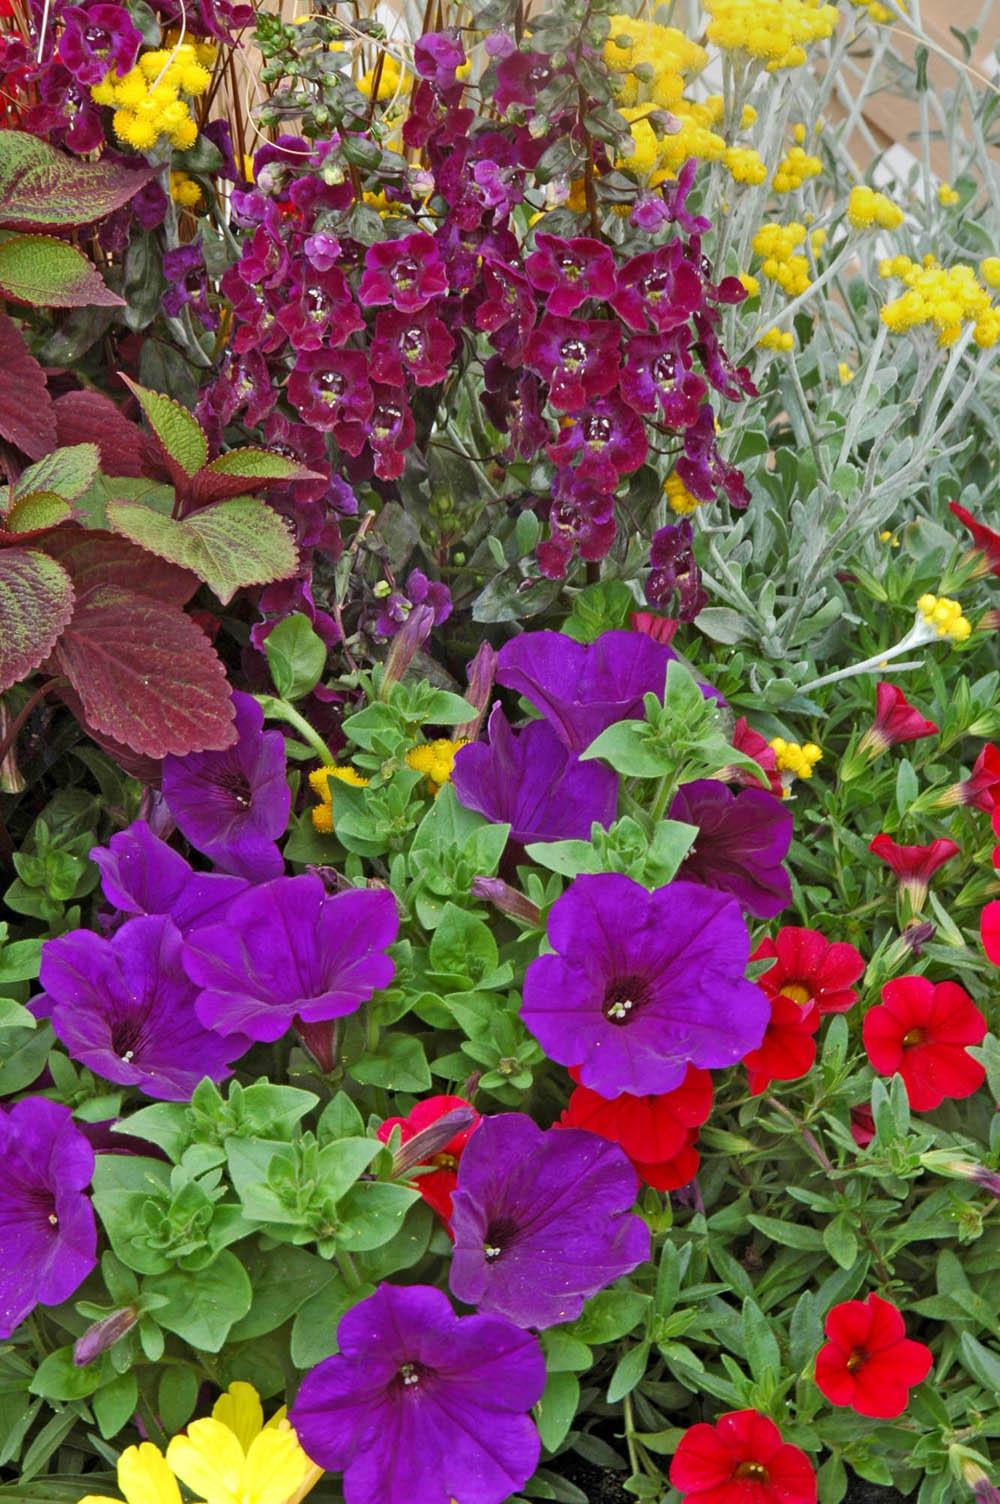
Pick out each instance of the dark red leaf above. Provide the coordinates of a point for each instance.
(27, 419)
(36, 602)
(90, 416)
(95, 559)
(135, 764)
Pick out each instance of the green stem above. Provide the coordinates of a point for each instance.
(276, 709)
(348, 1269)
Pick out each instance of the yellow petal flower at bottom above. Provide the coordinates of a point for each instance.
(240, 1409)
(211, 1461)
(143, 1477)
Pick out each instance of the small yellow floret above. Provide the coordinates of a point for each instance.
(679, 498)
(945, 616)
(777, 339)
(844, 372)
(797, 760)
(947, 195)
(866, 208)
(184, 190)
(435, 760)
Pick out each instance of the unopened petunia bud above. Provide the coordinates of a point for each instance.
(411, 636)
(507, 899)
(103, 1334)
(480, 675)
(432, 1139)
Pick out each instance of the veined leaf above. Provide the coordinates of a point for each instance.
(41, 188)
(229, 545)
(49, 273)
(85, 415)
(36, 512)
(260, 464)
(67, 472)
(27, 416)
(178, 430)
(36, 602)
(93, 559)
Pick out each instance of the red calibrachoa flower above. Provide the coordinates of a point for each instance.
(788, 1049)
(982, 787)
(741, 1460)
(987, 542)
(914, 865)
(658, 1133)
(660, 628)
(989, 930)
(437, 1187)
(896, 720)
(862, 1126)
(745, 739)
(868, 1363)
(808, 968)
(921, 1030)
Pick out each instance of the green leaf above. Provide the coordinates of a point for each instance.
(283, 1279)
(39, 509)
(58, 1378)
(602, 607)
(122, 1185)
(763, 1353)
(114, 1405)
(722, 624)
(36, 603)
(372, 1213)
(42, 188)
(463, 944)
(228, 545)
(556, 1409)
(983, 1364)
(568, 858)
(68, 472)
(176, 1397)
(788, 1234)
(178, 431)
(609, 1315)
(296, 656)
(49, 273)
(201, 1308)
(259, 464)
(629, 1371)
(628, 748)
(841, 1242)
(314, 1330)
(398, 1064)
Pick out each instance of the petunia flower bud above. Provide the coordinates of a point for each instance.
(507, 899)
(410, 637)
(480, 675)
(103, 1334)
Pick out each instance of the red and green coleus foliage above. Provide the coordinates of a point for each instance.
(44, 191)
(95, 569)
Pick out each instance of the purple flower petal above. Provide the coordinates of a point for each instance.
(742, 842)
(140, 874)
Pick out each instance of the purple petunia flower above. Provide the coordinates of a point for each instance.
(48, 1236)
(419, 591)
(542, 1220)
(97, 38)
(643, 984)
(529, 780)
(577, 357)
(420, 1406)
(571, 271)
(582, 688)
(124, 1008)
(287, 950)
(407, 273)
(742, 841)
(140, 874)
(232, 805)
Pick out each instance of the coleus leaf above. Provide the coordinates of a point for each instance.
(92, 415)
(68, 472)
(41, 188)
(49, 273)
(37, 512)
(228, 545)
(178, 431)
(36, 602)
(27, 416)
(146, 674)
(241, 470)
(93, 559)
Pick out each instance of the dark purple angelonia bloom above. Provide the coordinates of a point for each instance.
(508, 299)
(577, 357)
(657, 373)
(642, 984)
(391, 430)
(48, 1236)
(675, 571)
(520, 78)
(417, 345)
(702, 468)
(97, 38)
(187, 284)
(731, 380)
(125, 1009)
(607, 439)
(529, 780)
(287, 950)
(437, 55)
(658, 287)
(320, 312)
(418, 591)
(331, 390)
(542, 1220)
(233, 805)
(513, 403)
(581, 520)
(742, 842)
(407, 273)
(571, 271)
(582, 688)
(420, 1406)
(140, 874)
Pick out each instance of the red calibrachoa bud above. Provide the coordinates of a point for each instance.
(987, 542)
(808, 968)
(660, 628)
(914, 865)
(868, 1363)
(658, 1132)
(741, 1460)
(989, 929)
(788, 1049)
(982, 787)
(921, 1030)
(896, 720)
(436, 1187)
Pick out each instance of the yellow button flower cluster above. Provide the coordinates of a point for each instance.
(184, 190)
(435, 759)
(877, 11)
(844, 372)
(679, 498)
(148, 102)
(751, 284)
(944, 297)
(392, 80)
(696, 137)
(644, 157)
(947, 195)
(776, 245)
(793, 170)
(319, 782)
(866, 208)
(777, 339)
(775, 31)
(650, 61)
(745, 164)
(945, 616)
(989, 270)
(795, 759)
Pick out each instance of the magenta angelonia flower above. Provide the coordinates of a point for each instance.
(408, 273)
(331, 390)
(233, 805)
(607, 439)
(140, 874)
(320, 311)
(643, 984)
(743, 839)
(582, 688)
(658, 287)
(420, 1406)
(657, 373)
(288, 951)
(48, 1236)
(96, 39)
(437, 55)
(542, 1220)
(417, 345)
(577, 357)
(125, 1009)
(532, 782)
(571, 271)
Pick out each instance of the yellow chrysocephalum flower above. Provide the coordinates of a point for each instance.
(391, 81)
(844, 372)
(435, 760)
(143, 1478)
(989, 270)
(866, 208)
(184, 190)
(945, 616)
(679, 498)
(776, 245)
(319, 782)
(148, 102)
(696, 138)
(644, 157)
(947, 195)
(944, 298)
(777, 339)
(751, 284)
(886, 536)
(793, 170)
(799, 133)
(235, 1458)
(649, 63)
(797, 760)
(775, 31)
(745, 164)
(817, 240)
